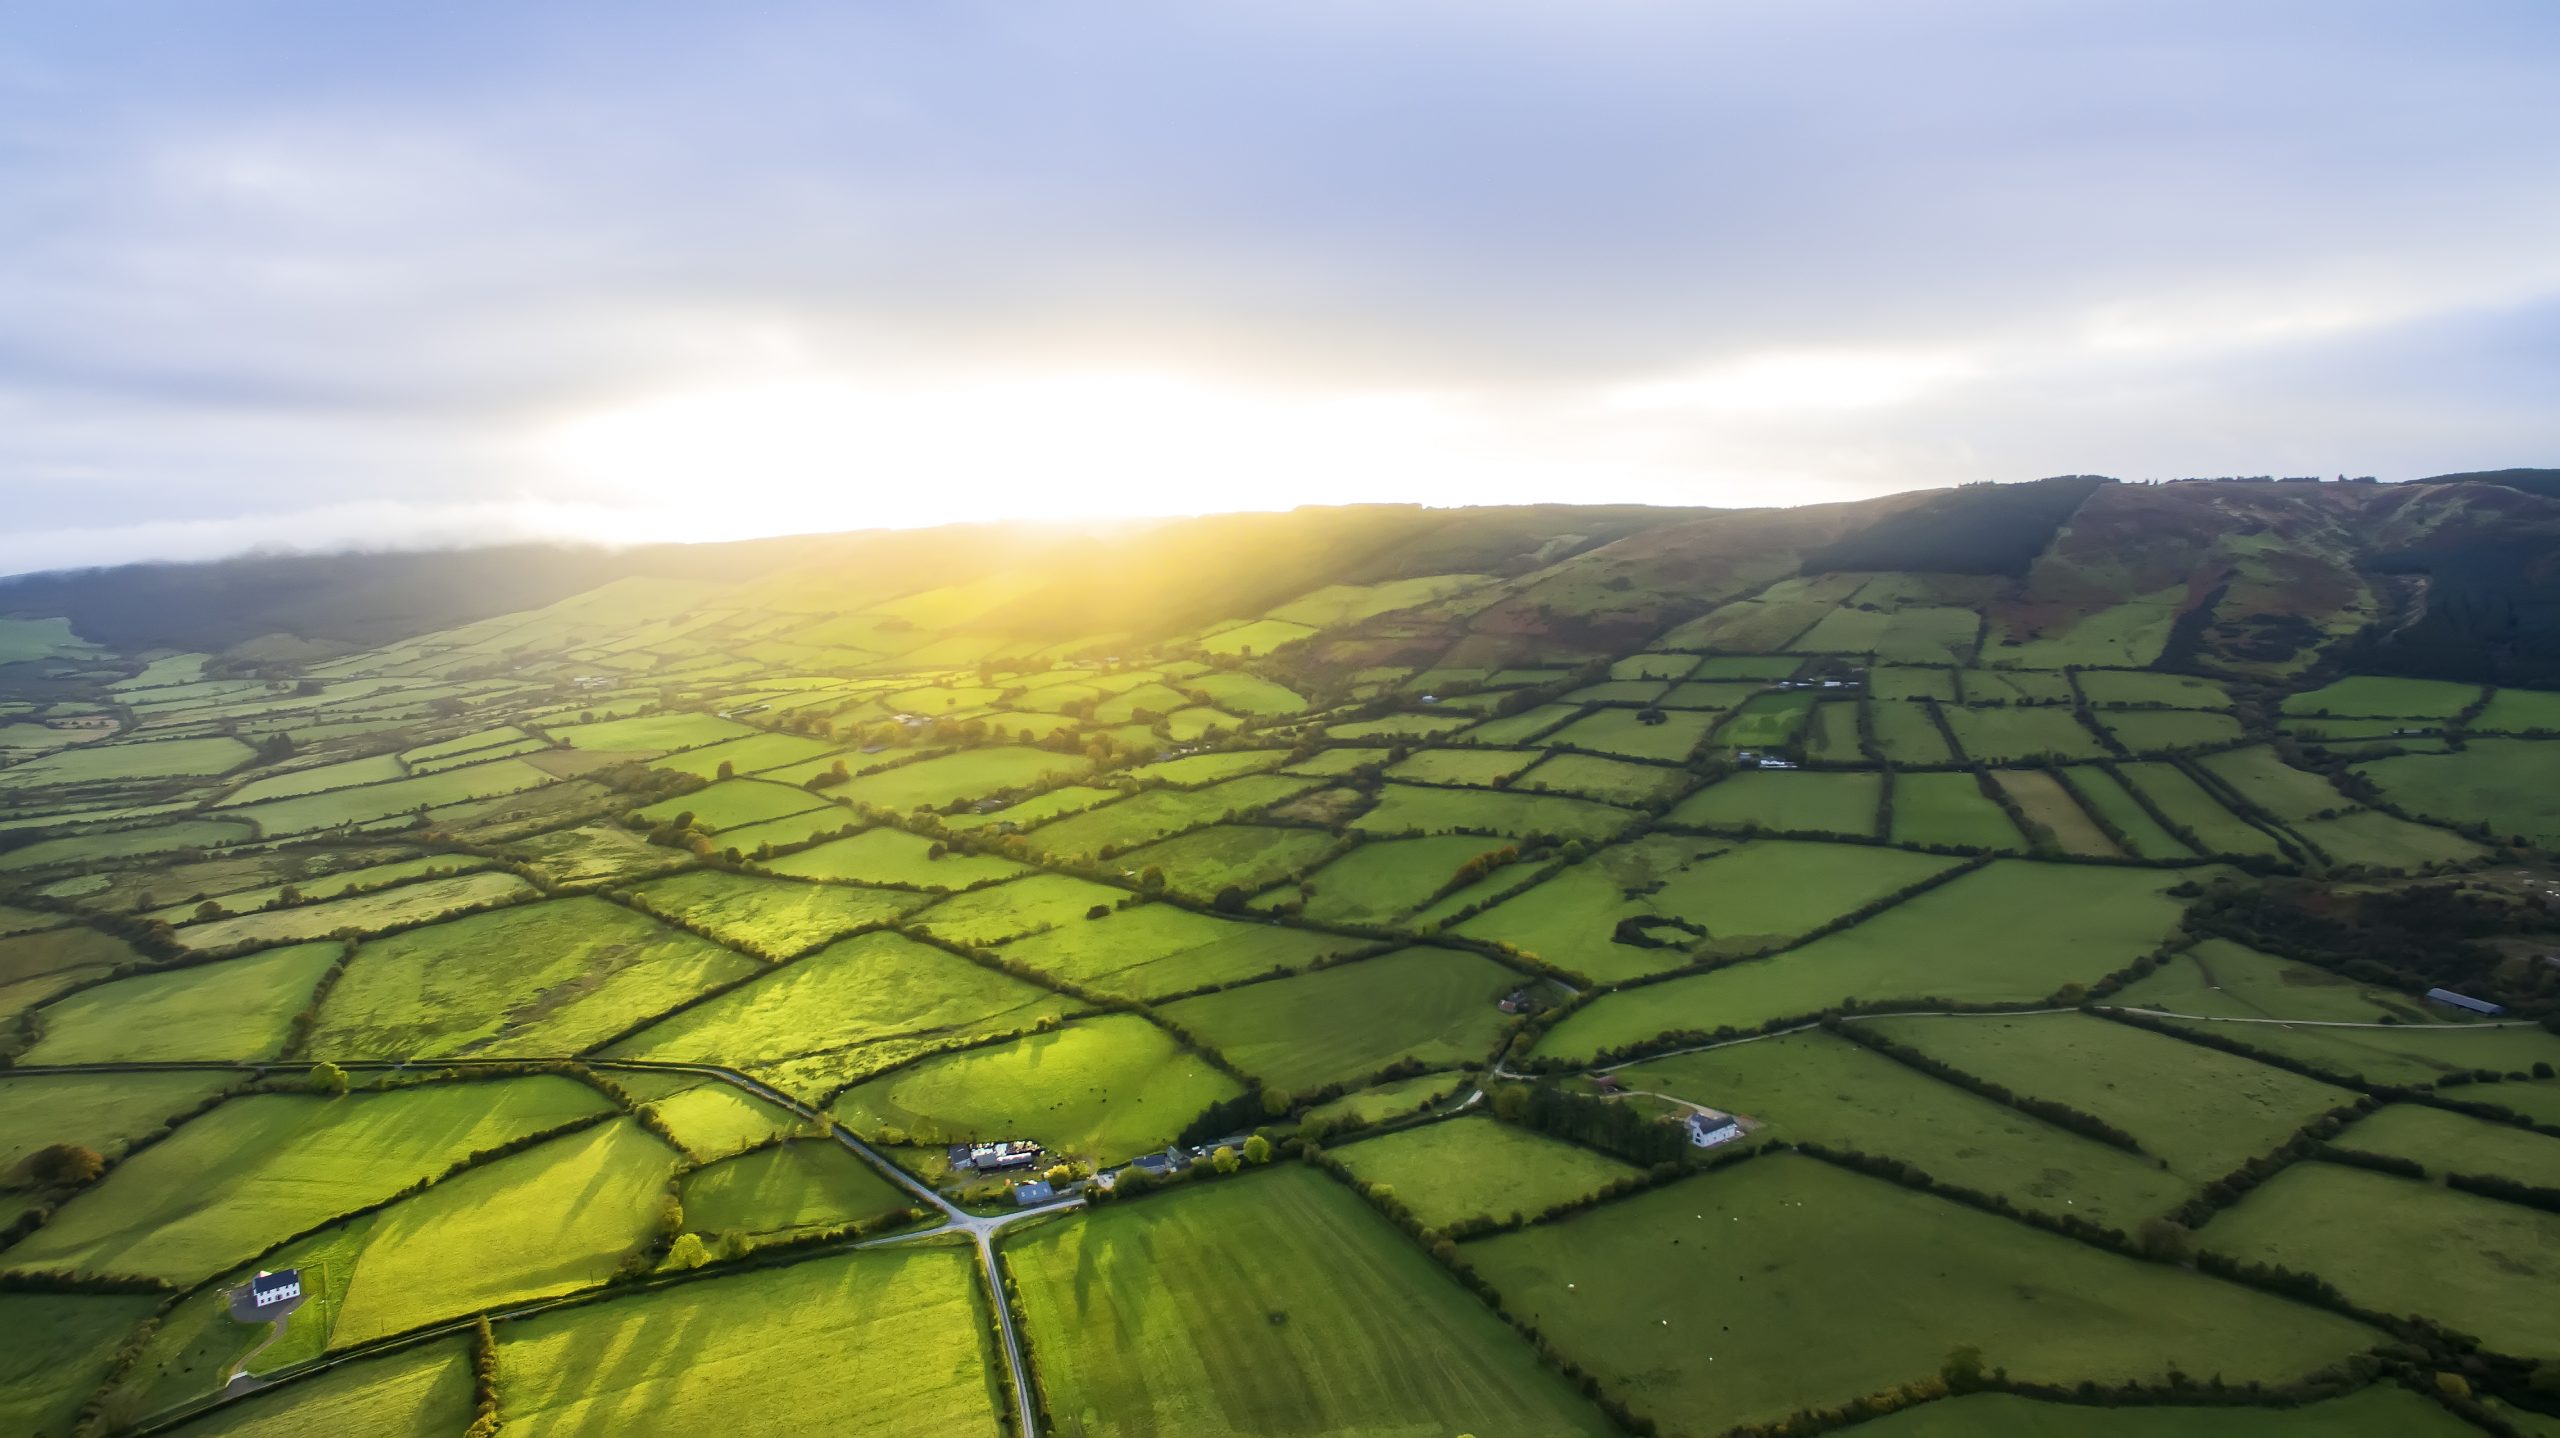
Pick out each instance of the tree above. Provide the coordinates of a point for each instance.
(1151, 879)
(1225, 1160)
(687, 1251)
(1257, 1150)
(1276, 1101)
(62, 1165)
(727, 770)
(1963, 1369)
(2165, 1240)
(327, 1079)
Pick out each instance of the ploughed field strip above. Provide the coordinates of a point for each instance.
(1646, 975)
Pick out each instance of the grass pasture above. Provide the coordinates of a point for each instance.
(98, 1111)
(2009, 734)
(1261, 636)
(1521, 728)
(1276, 1305)
(649, 733)
(1905, 734)
(364, 913)
(2475, 1264)
(734, 804)
(773, 917)
(2204, 1111)
(2110, 799)
(60, 1346)
(2187, 804)
(2120, 688)
(1731, 1314)
(319, 779)
(710, 1119)
(2384, 1410)
(785, 1189)
(1768, 721)
(1409, 809)
(1620, 731)
(1887, 681)
(732, 1355)
(2369, 836)
(1014, 908)
(1715, 694)
(1384, 879)
(2165, 731)
(1479, 767)
(1783, 802)
(2259, 776)
(130, 762)
(1246, 857)
(954, 778)
(1477, 1167)
(2050, 808)
(2367, 696)
(546, 978)
(1145, 817)
(371, 803)
(1102, 1089)
(422, 1392)
(111, 845)
(2512, 785)
(1341, 1024)
(2458, 1143)
(2519, 711)
(1820, 1088)
(1156, 949)
(1948, 808)
(748, 754)
(239, 1009)
(895, 857)
(1611, 781)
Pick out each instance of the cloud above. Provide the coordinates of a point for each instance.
(292, 268)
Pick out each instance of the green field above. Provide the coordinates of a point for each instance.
(1473, 1167)
(2397, 1245)
(1887, 681)
(2008, 735)
(1401, 726)
(2204, 1111)
(2457, 1143)
(1384, 879)
(1518, 728)
(2519, 711)
(1342, 1024)
(1393, 1099)
(1611, 781)
(1767, 722)
(1156, 949)
(238, 1009)
(1792, 1284)
(1144, 818)
(263, 1167)
(319, 779)
(1905, 734)
(1620, 731)
(1745, 898)
(1273, 1305)
(748, 754)
(363, 913)
(1949, 809)
(2511, 785)
(1014, 908)
(2162, 731)
(2262, 778)
(324, 880)
(1817, 1088)
(414, 1393)
(2108, 688)
(952, 778)
(2385, 1410)
(773, 917)
(2054, 817)
(1482, 767)
(2221, 979)
(2364, 695)
(2369, 836)
(60, 1346)
(893, 856)
(1406, 808)
(129, 761)
(377, 802)
(103, 1112)
(862, 991)
(649, 733)
(784, 1189)
(1786, 803)
(1715, 694)
(709, 1118)
(734, 804)
(109, 845)
(2187, 804)
(1245, 857)
(1103, 1090)
(2013, 932)
(2107, 797)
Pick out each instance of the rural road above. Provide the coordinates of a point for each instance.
(982, 1231)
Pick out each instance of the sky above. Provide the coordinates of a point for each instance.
(278, 274)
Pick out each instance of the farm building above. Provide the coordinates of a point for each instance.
(1706, 1130)
(993, 1157)
(2452, 1000)
(1036, 1191)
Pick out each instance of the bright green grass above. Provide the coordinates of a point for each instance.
(1485, 767)
(1014, 908)
(774, 917)
(1156, 949)
(1745, 666)
(858, 991)
(1475, 1167)
(2187, 804)
(1246, 694)
(1193, 770)
(260, 1168)
(1767, 722)
(320, 779)
(464, 744)
(2474, 1264)
(969, 774)
(1783, 802)
(1949, 808)
(1104, 1089)
(555, 1217)
(2053, 815)
(1185, 725)
(1247, 857)
(536, 979)
(789, 829)
(1349, 603)
(1274, 1305)
(2408, 1053)
(2110, 687)
(2133, 633)
(1144, 818)
(1401, 726)
(1742, 1296)
(1831, 737)
(2161, 731)
(1611, 781)
(1384, 879)
(1618, 691)
(73, 949)
(747, 754)
(1038, 809)
(2006, 735)
(1619, 731)
(97, 1111)
(733, 804)
(364, 913)
(1518, 728)
(2012, 932)
(422, 1392)
(2365, 695)
(2205, 1111)
(2113, 801)
(892, 856)
(709, 1118)
(2519, 711)
(787, 1188)
(649, 733)
(1664, 667)
(155, 759)
(239, 1009)
(1747, 898)
(2288, 793)
(1906, 734)
(1712, 693)
(110, 845)
(1392, 1099)
(59, 1347)
(1924, 635)
(400, 796)
(739, 1355)
(1404, 808)
(1818, 1088)
(1259, 637)
(2512, 785)
(2458, 1143)
(1342, 1024)
(314, 887)
(2385, 1410)
(2011, 686)
(2369, 836)
(1890, 682)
